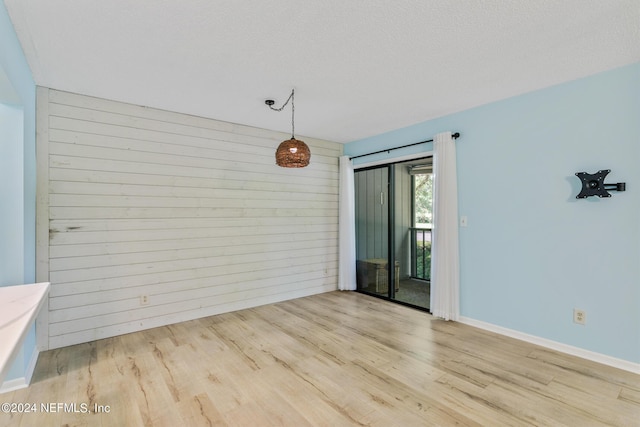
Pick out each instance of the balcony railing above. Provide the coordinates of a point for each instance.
(421, 253)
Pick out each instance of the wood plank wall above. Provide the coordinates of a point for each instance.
(191, 212)
(372, 213)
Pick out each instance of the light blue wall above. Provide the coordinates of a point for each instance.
(11, 192)
(532, 252)
(14, 64)
(18, 191)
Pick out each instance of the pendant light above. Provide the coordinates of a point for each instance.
(291, 153)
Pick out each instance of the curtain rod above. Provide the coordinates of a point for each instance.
(454, 136)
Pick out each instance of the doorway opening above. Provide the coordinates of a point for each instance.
(394, 217)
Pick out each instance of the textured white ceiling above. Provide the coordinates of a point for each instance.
(359, 67)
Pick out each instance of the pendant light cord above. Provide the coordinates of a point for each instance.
(293, 109)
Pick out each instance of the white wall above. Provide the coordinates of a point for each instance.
(191, 212)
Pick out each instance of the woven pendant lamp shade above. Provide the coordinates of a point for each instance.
(293, 153)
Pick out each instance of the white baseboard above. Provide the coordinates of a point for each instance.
(22, 382)
(31, 367)
(11, 385)
(554, 345)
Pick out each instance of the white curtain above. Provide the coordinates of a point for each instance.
(347, 227)
(445, 270)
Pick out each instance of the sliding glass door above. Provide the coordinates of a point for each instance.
(393, 230)
(372, 230)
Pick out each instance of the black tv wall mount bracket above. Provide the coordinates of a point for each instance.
(593, 184)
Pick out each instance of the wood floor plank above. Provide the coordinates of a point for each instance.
(629, 395)
(199, 410)
(334, 359)
(468, 398)
(305, 398)
(556, 362)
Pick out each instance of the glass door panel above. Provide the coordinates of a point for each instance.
(393, 231)
(413, 217)
(372, 230)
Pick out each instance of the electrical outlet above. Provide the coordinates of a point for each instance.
(144, 299)
(579, 316)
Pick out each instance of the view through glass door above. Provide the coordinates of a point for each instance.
(394, 211)
(372, 230)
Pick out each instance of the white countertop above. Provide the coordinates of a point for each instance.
(19, 306)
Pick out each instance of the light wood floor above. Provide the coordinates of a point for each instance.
(336, 359)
